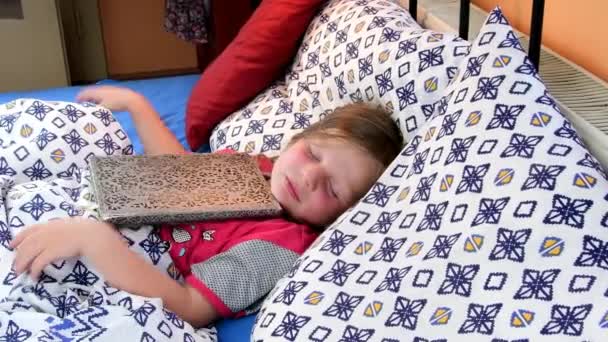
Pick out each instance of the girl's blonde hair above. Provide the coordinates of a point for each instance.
(370, 128)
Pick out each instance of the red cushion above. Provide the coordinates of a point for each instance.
(256, 57)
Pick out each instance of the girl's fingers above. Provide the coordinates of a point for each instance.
(40, 262)
(82, 95)
(27, 251)
(21, 236)
(87, 95)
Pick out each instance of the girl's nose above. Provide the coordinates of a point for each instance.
(313, 177)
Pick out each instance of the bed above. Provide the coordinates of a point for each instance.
(169, 96)
(399, 214)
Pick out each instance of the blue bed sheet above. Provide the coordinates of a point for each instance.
(168, 95)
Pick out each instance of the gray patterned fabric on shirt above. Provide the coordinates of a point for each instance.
(245, 273)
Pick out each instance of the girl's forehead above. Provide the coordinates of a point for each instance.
(335, 140)
(339, 145)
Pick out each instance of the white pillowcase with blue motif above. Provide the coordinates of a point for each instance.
(354, 51)
(492, 225)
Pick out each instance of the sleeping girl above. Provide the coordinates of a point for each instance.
(201, 271)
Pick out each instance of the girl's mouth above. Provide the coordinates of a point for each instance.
(292, 190)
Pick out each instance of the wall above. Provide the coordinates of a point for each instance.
(577, 30)
(32, 52)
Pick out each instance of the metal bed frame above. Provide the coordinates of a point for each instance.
(536, 27)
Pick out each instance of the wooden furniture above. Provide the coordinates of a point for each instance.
(136, 43)
(89, 40)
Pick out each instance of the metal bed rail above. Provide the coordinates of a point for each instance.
(536, 26)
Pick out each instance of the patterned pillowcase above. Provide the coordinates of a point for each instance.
(353, 51)
(492, 221)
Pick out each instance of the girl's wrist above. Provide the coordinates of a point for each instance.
(138, 105)
(98, 237)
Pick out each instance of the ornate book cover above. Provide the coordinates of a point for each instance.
(136, 190)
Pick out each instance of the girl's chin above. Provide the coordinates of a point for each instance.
(282, 198)
(277, 193)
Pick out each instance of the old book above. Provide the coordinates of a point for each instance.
(136, 190)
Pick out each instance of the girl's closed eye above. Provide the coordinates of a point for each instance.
(312, 154)
(332, 190)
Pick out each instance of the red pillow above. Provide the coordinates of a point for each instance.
(256, 57)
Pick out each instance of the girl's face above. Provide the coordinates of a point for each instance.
(315, 180)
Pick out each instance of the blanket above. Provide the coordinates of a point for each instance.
(45, 148)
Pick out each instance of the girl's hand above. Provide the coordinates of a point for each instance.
(56, 240)
(116, 99)
(154, 135)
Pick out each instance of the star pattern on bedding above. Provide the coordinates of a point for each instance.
(44, 176)
(368, 52)
(490, 224)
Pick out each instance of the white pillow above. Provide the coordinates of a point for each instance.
(353, 51)
(491, 225)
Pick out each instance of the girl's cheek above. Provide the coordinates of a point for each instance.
(317, 203)
(326, 202)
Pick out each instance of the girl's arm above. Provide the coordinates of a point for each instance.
(101, 244)
(125, 270)
(154, 135)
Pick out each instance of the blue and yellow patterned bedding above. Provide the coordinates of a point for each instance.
(169, 96)
(491, 224)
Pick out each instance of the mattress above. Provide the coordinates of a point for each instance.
(168, 95)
